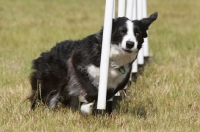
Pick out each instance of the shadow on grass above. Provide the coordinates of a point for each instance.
(139, 111)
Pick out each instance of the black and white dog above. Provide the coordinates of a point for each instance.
(70, 70)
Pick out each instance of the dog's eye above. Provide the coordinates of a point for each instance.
(137, 34)
(123, 30)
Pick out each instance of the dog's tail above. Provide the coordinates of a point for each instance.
(34, 84)
(43, 81)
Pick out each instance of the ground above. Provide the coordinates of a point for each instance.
(165, 97)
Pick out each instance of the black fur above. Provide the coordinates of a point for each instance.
(63, 69)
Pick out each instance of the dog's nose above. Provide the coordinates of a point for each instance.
(129, 44)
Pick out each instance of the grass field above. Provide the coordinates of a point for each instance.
(165, 98)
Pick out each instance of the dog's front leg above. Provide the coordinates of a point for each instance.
(53, 101)
(86, 107)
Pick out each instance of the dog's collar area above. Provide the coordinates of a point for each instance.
(119, 68)
(122, 69)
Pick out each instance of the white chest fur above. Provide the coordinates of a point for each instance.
(115, 77)
(118, 58)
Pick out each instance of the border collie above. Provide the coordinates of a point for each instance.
(70, 70)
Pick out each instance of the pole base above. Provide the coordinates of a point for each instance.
(140, 69)
(99, 112)
(147, 59)
(109, 107)
(134, 77)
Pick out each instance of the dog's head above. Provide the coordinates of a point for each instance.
(127, 35)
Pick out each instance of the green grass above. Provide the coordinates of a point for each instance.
(165, 98)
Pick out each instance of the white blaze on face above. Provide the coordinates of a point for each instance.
(129, 36)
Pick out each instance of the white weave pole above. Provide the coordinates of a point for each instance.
(121, 8)
(129, 9)
(113, 10)
(105, 52)
(146, 43)
(134, 16)
(134, 13)
(140, 16)
(118, 94)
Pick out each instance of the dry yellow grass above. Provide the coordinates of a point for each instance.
(165, 98)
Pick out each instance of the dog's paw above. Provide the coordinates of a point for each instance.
(87, 108)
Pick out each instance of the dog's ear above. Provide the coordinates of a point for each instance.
(146, 22)
(114, 20)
